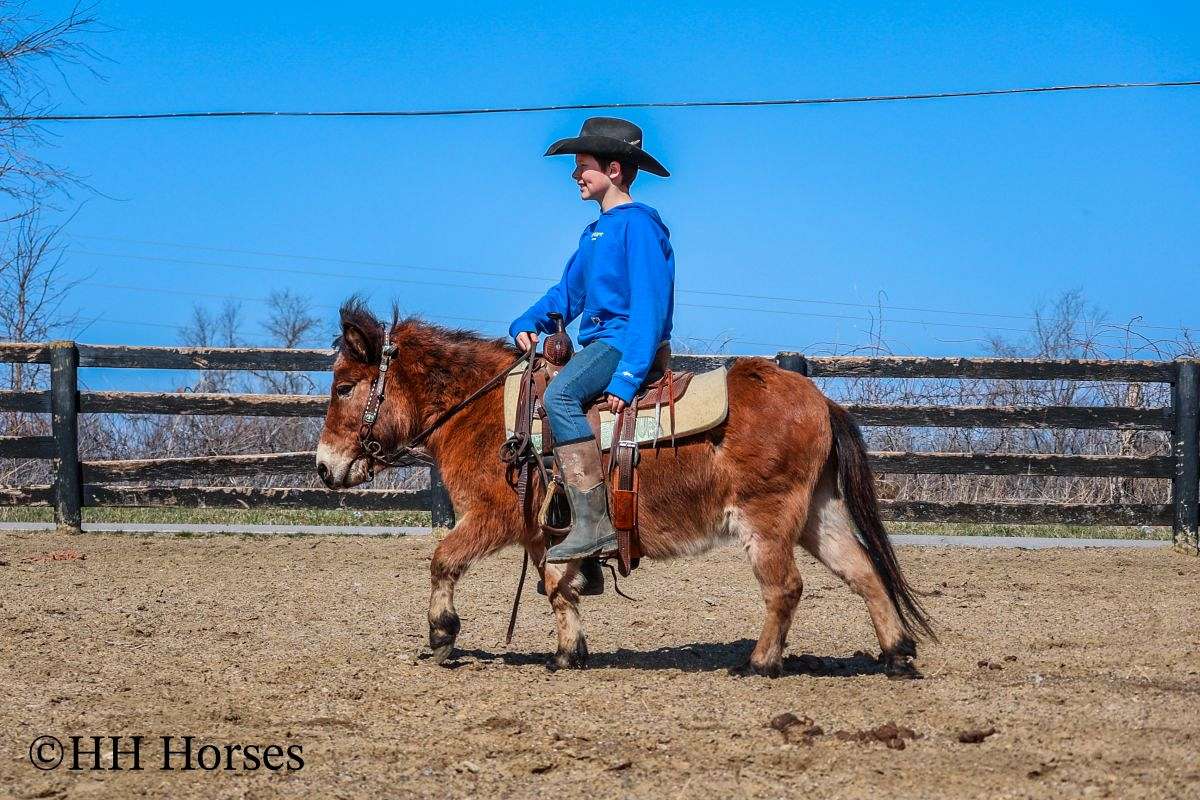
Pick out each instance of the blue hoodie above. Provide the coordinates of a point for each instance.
(621, 280)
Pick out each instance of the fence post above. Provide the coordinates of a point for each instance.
(440, 507)
(64, 414)
(1185, 447)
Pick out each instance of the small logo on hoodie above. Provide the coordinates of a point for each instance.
(596, 235)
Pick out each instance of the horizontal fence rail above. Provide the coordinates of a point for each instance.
(30, 402)
(1105, 418)
(194, 467)
(238, 405)
(1029, 369)
(26, 495)
(1023, 464)
(205, 358)
(299, 405)
(1027, 513)
(126, 483)
(22, 353)
(249, 497)
(26, 447)
(242, 466)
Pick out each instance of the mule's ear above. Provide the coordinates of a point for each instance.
(359, 344)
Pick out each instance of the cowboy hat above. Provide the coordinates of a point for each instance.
(607, 136)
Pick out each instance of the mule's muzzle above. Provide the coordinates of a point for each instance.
(326, 477)
(339, 470)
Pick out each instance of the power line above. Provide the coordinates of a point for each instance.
(542, 278)
(462, 112)
(323, 259)
(209, 295)
(102, 318)
(243, 298)
(294, 271)
(341, 276)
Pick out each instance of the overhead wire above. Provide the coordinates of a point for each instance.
(532, 109)
(247, 299)
(472, 287)
(243, 298)
(546, 279)
(580, 107)
(390, 279)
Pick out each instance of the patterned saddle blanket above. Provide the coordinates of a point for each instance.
(701, 404)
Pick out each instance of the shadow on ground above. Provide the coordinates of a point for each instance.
(705, 657)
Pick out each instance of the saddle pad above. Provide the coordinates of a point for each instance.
(704, 406)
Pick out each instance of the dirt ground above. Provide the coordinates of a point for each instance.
(1091, 680)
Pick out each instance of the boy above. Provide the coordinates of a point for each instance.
(621, 281)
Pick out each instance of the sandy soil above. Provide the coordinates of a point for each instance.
(311, 642)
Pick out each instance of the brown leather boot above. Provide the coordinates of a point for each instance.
(592, 532)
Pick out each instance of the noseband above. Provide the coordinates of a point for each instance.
(411, 452)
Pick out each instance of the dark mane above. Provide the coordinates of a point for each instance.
(356, 312)
(451, 336)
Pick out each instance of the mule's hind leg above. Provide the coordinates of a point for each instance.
(830, 536)
(559, 580)
(769, 548)
(466, 544)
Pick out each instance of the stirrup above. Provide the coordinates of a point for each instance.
(602, 552)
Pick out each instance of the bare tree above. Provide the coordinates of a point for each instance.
(290, 319)
(32, 290)
(32, 287)
(1066, 327)
(290, 322)
(32, 47)
(214, 329)
(32, 281)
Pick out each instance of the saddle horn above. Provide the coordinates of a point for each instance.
(557, 347)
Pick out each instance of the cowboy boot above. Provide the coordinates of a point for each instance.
(591, 529)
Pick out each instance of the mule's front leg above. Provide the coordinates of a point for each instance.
(559, 579)
(465, 545)
(443, 619)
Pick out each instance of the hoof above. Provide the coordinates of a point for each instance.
(898, 662)
(750, 669)
(901, 668)
(441, 654)
(569, 659)
(443, 631)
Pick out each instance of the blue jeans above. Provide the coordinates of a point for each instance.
(584, 377)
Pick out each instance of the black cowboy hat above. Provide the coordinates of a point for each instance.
(607, 136)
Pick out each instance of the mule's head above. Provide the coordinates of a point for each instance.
(341, 462)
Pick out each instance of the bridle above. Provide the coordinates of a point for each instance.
(412, 451)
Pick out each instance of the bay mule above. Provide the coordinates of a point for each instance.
(787, 467)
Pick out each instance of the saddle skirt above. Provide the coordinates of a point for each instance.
(701, 404)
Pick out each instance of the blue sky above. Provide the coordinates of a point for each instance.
(986, 206)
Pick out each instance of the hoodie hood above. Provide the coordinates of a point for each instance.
(641, 208)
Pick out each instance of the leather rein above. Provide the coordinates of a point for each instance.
(412, 451)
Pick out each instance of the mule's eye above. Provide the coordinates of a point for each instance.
(344, 389)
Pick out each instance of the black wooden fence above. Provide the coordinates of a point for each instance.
(79, 484)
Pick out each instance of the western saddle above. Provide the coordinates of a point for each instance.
(662, 387)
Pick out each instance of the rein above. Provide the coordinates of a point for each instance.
(411, 451)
